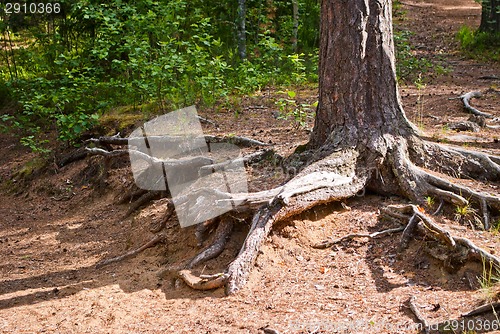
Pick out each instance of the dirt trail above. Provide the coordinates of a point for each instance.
(52, 234)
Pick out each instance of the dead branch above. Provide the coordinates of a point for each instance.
(105, 153)
(199, 283)
(429, 228)
(408, 232)
(329, 243)
(119, 141)
(418, 315)
(159, 238)
(248, 159)
(466, 101)
(207, 121)
(490, 307)
(489, 77)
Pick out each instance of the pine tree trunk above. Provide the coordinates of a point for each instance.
(358, 97)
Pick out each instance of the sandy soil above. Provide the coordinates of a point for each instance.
(54, 229)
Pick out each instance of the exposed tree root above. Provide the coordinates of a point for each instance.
(203, 229)
(466, 101)
(144, 199)
(416, 184)
(159, 238)
(119, 141)
(222, 233)
(490, 307)
(421, 319)
(208, 282)
(329, 243)
(157, 227)
(464, 126)
(429, 228)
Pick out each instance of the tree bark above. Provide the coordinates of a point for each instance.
(359, 101)
(295, 32)
(490, 16)
(242, 32)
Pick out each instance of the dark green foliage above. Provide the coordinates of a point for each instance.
(479, 44)
(65, 69)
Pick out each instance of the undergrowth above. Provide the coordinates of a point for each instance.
(479, 45)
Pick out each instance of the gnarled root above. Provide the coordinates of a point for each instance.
(222, 233)
(431, 229)
(466, 101)
(416, 183)
(159, 238)
(320, 182)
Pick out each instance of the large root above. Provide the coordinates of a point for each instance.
(317, 184)
(416, 183)
(456, 161)
(336, 176)
(466, 101)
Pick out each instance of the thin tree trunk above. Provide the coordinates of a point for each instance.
(295, 32)
(490, 17)
(242, 39)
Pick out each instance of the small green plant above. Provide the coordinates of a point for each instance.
(495, 227)
(420, 101)
(35, 145)
(430, 201)
(489, 280)
(467, 214)
(290, 108)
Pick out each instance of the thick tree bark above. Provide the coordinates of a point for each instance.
(359, 102)
(361, 135)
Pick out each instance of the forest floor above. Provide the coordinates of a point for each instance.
(55, 228)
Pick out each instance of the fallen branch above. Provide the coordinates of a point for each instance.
(491, 307)
(199, 283)
(466, 101)
(119, 141)
(418, 315)
(464, 126)
(329, 243)
(159, 238)
(207, 121)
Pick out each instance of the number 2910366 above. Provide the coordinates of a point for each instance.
(32, 8)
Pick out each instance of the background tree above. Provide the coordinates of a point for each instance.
(490, 17)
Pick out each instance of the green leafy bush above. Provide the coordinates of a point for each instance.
(480, 45)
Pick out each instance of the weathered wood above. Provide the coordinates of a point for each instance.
(466, 101)
(199, 283)
(222, 233)
(329, 243)
(490, 307)
(418, 314)
(158, 238)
